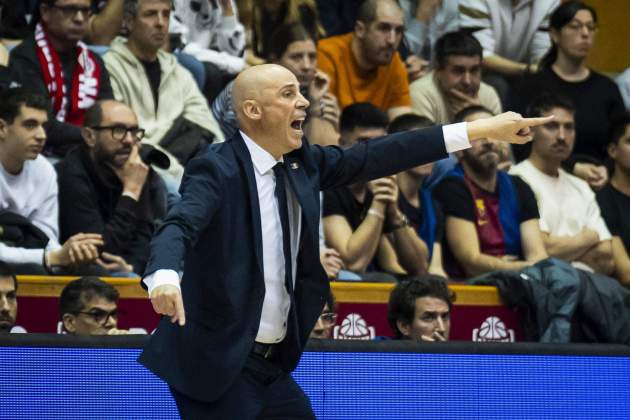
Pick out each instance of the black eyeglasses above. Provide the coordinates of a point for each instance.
(119, 132)
(100, 316)
(71, 11)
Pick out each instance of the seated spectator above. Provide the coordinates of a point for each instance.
(105, 188)
(8, 299)
(164, 96)
(415, 201)
(28, 192)
(570, 219)
(419, 309)
(294, 48)
(211, 32)
(89, 306)
(614, 198)
(53, 61)
(455, 83)
(324, 327)
(426, 21)
(364, 65)
(564, 72)
(267, 15)
(363, 221)
(513, 35)
(491, 217)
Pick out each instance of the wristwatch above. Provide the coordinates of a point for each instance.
(402, 222)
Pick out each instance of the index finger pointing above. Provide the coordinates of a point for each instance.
(533, 122)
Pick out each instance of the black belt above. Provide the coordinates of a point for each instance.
(266, 351)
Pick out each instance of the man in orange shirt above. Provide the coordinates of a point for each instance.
(364, 65)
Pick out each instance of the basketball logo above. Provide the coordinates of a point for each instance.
(493, 329)
(354, 327)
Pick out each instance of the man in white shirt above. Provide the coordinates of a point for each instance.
(570, 220)
(247, 226)
(28, 188)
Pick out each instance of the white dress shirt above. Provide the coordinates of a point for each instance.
(276, 303)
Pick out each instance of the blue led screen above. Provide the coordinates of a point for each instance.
(96, 383)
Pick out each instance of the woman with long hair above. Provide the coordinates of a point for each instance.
(563, 70)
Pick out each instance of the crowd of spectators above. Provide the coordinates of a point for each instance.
(103, 103)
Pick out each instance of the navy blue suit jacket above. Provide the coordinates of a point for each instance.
(216, 230)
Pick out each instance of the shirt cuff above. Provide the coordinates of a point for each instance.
(161, 278)
(455, 137)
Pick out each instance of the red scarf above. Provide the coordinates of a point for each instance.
(85, 80)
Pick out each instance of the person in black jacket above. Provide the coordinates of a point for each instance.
(104, 187)
(53, 61)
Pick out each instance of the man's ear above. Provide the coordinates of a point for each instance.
(3, 127)
(44, 10)
(403, 327)
(554, 36)
(252, 109)
(360, 28)
(69, 323)
(612, 150)
(89, 136)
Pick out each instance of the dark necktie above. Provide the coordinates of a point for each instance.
(281, 196)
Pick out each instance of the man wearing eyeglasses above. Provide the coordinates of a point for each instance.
(89, 306)
(55, 62)
(105, 188)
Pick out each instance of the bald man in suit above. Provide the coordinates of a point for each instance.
(247, 231)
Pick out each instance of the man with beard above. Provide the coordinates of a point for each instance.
(491, 217)
(456, 83)
(364, 66)
(105, 188)
(570, 219)
(53, 61)
(8, 299)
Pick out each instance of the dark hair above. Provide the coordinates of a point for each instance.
(362, 114)
(456, 43)
(287, 34)
(546, 102)
(473, 109)
(6, 271)
(76, 293)
(11, 100)
(402, 300)
(94, 115)
(559, 18)
(367, 11)
(408, 122)
(618, 127)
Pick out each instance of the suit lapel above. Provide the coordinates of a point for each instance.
(245, 161)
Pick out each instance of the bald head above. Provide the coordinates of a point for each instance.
(95, 114)
(270, 108)
(251, 82)
(369, 9)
